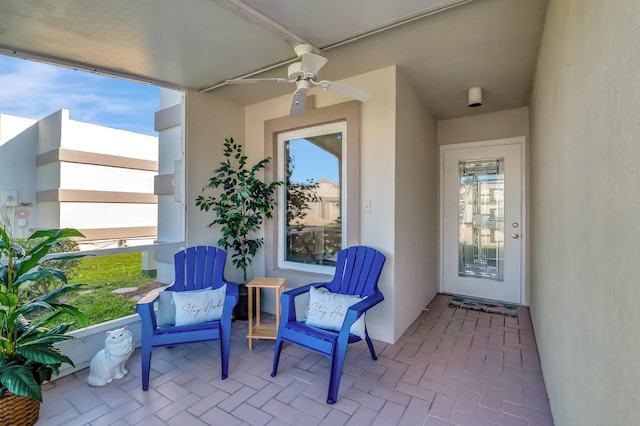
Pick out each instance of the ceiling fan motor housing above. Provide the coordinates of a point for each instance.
(303, 85)
(303, 48)
(295, 71)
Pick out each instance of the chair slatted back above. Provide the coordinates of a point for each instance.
(357, 271)
(198, 268)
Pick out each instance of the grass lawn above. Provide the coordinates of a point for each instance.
(102, 275)
(114, 271)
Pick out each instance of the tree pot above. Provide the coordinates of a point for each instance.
(18, 410)
(241, 310)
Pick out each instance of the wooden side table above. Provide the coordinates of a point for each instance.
(258, 330)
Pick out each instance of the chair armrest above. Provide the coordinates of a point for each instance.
(144, 308)
(355, 311)
(151, 296)
(230, 300)
(232, 289)
(231, 297)
(288, 304)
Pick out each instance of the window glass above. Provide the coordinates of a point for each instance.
(311, 202)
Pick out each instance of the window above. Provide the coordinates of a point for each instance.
(311, 163)
(346, 206)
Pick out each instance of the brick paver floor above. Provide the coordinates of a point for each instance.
(451, 367)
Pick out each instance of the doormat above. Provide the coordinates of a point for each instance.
(484, 306)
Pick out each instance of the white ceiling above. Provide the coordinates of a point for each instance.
(442, 47)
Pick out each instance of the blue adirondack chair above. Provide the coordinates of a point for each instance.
(357, 272)
(196, 268)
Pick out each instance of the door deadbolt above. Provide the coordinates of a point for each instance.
(515, 224)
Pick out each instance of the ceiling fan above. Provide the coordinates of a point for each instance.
(305, 74)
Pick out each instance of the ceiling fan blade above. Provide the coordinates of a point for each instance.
(297, 102)
(312, 63)
(349, 91)
(259, 80)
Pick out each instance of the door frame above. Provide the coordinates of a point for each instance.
(519, 140)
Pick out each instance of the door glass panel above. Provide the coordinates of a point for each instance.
(481, 219)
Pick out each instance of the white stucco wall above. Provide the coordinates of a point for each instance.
(416, 208)
(107, 215)
(16, 172)
(481, 127)
(11, 126)
(585, 196)
(377, 184)
(47, 215)
(19, 171)
(50, 130)
(210, 118)
(47, 176)
(89, 137)
(171, 207)
(57, 131)
(105, 178)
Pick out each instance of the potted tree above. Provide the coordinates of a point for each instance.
(241, 206)
(28, 356)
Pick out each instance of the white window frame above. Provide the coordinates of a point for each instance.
(319, 130)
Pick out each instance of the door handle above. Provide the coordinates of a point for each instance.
(515, 236)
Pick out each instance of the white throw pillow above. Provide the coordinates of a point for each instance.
(193, 307)
(166, 315)
(328, 310)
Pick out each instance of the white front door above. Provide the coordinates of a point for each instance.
(482, 213)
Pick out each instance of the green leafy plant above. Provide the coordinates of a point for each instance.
(67, 265)
(28, 356)
(299, 195)
(242, 205)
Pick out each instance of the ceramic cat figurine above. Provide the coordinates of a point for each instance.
(108, 363)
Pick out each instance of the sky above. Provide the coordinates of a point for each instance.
(312, 162)
(35, 90)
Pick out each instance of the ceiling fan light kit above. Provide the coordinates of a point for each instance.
(305, 74)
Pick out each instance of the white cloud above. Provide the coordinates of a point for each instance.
(35, 90)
